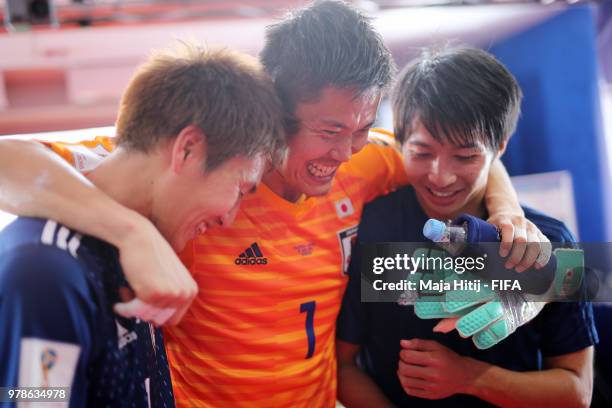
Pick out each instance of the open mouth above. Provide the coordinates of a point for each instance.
(442, 197)
(198, 229)
(321, 171)
(201, 228)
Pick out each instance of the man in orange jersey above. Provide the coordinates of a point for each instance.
(261, 332)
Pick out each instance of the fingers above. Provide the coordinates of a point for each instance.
(173, 302)
(415, 357)
(507, 236)
(412, 370)
(163, 316)
(178, 316)
(139, 309)
(530, 256)
(413, 380)
(545, 251)
(420, 345)
(162, 294)
(411, 383)
(418, 392)
(523, 243)
(446, 325)
(538, 247)
(519, 246)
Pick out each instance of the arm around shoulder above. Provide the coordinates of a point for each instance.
(35, 182)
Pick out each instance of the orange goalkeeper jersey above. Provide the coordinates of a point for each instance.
(261, 332)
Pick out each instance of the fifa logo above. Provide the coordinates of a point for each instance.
(48, 358)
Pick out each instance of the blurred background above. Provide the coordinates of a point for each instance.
(64, 64)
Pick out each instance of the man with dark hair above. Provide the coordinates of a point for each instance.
(262, 330)
(354, 56)
(58, 287)
(454, 111)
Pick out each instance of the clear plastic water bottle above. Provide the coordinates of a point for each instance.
(451, 238)
(471, 236)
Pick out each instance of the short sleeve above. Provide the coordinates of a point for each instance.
(567, 327)
(46, 320)
(85, 155)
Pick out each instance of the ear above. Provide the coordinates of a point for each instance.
(189, 148)
(502, 148)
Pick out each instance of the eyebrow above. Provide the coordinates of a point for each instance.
(466, 146)
(417, 143)
(333, 123)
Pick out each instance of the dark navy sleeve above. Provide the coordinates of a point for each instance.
(352, 322)
(46, 320)
(565, 327)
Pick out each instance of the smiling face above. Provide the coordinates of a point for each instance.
(331, 129)
(187, 201)
(448, 179)
(203, 201)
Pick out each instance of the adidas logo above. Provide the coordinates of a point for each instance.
(251, 256)
(124, 336)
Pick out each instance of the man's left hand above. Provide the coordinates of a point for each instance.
(427, 369)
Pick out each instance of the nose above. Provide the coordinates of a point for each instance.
(342, 150)
(441, 174)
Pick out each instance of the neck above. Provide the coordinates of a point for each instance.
(275, 181)
(128, 178)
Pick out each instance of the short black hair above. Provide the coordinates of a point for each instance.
(327, 43)
(460, 94)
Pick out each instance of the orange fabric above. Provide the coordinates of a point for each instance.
(244, 341)
(85, 155)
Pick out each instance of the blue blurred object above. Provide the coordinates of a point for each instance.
(556, 64)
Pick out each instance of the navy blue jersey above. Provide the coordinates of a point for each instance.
(57, 326)
(560, 328)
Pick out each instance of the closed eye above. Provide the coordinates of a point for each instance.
(329, 133)
(421, 155)
(467, 158)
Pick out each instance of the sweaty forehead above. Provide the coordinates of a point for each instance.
(342, 108)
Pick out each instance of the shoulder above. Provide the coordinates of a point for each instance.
(567, 327)
(391, 203)
(380, 153)
(84, 155)
(36, 252)
(391, 217)
(555, 230)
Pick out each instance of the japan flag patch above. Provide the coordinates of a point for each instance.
(344, 208)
